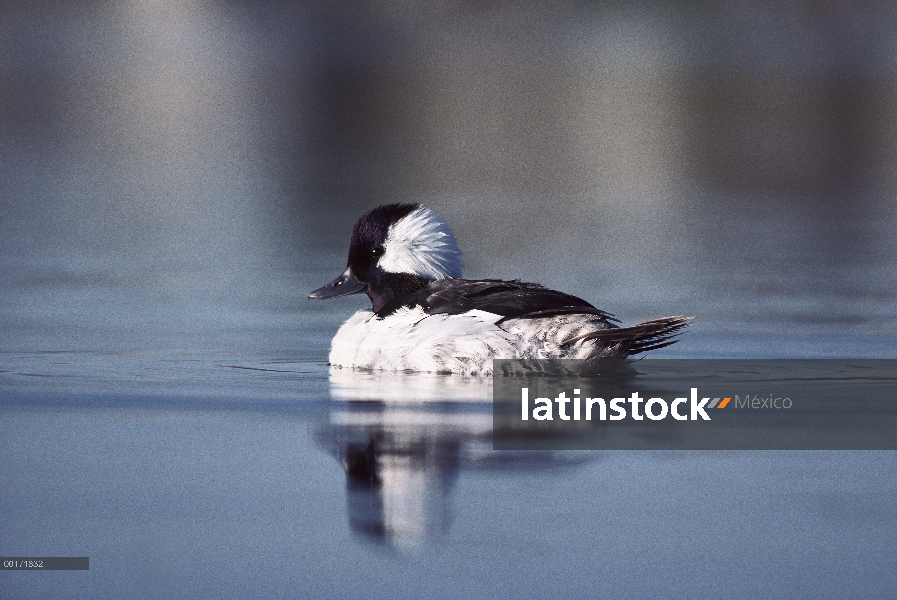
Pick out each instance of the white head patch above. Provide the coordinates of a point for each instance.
(421, 243)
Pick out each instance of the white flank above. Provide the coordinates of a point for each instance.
(411, 340)
(421, 243)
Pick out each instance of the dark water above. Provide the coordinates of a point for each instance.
(175, 178)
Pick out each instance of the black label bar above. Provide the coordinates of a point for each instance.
(45, 563)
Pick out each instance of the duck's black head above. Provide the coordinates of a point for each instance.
(395, 250)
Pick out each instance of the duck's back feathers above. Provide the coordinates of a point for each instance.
(507, 299)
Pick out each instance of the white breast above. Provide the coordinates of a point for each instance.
(411, 340)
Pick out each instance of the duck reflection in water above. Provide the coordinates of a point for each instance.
(404, 439)
(398, 489)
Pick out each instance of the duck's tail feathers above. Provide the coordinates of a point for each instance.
(629, 341)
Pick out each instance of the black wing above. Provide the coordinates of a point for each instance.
(510, 299)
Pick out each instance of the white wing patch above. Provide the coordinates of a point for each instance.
(422, 243)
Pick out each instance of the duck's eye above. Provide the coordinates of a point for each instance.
(377, 251)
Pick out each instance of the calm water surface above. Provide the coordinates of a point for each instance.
(197, 444)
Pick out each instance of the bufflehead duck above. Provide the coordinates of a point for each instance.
(426, 318)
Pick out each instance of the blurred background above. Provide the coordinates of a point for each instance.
(170, 169)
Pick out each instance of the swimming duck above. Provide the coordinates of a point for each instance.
(424, 317)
